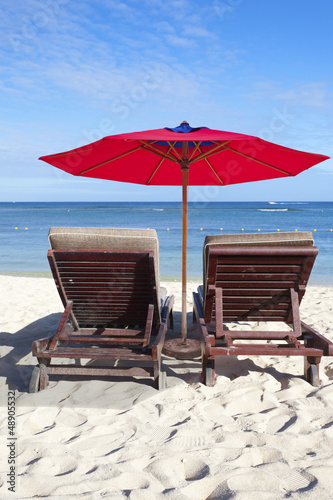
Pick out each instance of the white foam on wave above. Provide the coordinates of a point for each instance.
(273, 209)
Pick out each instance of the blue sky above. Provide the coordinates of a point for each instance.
(74, 71)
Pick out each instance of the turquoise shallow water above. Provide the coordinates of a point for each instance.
(24, 229)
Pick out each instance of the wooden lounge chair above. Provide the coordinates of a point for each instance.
(260, 278)
(115, 312)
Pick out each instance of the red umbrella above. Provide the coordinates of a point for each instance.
(183, 156)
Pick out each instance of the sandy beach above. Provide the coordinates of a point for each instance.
(262, 432)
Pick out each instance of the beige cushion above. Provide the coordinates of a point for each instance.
(95, 238)
(255, 239)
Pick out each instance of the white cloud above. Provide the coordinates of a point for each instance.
(197, 32)
(178, 41)
(312, 94)
(121, 8)
(309, 94)
(165, 27)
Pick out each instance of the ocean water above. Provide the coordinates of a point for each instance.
(24, 228)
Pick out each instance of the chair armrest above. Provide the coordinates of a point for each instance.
(165, 313)
(319, 341)
(198, 311)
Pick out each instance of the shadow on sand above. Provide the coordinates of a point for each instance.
(17, 365)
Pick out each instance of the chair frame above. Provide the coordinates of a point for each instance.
(117, 291)
(257, 283)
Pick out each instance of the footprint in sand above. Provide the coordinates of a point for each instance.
(70, 418)
(280, 423)
(153, 434)
(35, 422)
(271, 478)
(190, 440)
(311, 402)
(102, 445)
(291, 479)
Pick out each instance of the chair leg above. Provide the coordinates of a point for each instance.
(34, 381)
(311, 370)
(171, 319)
(311, 364)
(208, 371)
(44, 378)
(160, 382)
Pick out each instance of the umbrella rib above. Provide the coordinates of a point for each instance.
(211, 152)
(173, 149)
(158, 152)
(109, 160)
(197, 146)
(258, 161)
(157, 167)
(212, 168)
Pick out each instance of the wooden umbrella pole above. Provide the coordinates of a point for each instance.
(184, 267)
(184, 168)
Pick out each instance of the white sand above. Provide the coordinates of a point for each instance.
(261, 433)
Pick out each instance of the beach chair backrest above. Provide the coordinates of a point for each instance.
(256, 273)
(109, 274)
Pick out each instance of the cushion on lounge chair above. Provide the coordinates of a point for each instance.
(255, 239)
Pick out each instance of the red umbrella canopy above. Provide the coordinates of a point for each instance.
(153, 157)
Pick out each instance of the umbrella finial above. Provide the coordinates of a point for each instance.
(184, 122)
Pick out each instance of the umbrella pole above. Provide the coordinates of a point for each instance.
(184, 169)
(183, 348)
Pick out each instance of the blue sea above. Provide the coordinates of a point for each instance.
(24, 228)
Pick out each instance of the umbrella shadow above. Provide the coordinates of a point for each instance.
(192, 331)
(188, 371)
(232, 367)
(17, 364)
